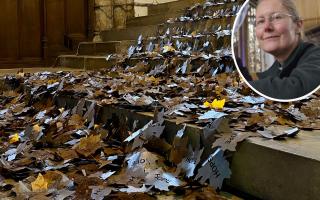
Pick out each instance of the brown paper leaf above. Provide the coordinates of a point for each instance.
(88, 145)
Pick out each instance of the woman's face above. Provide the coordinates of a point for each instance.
(280, 36)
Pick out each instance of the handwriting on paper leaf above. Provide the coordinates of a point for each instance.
(230, 141)
(162, 180)
(100, 192)
(215, 169)
(189, 163)
(142, 159)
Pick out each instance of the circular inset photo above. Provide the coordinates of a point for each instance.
(272, 53)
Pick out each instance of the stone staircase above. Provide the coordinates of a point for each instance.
(91, 55)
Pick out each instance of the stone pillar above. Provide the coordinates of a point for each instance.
(111, 14)
(103, 17)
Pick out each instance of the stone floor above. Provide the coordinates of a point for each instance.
(36, 69)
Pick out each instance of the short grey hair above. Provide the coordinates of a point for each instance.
(291, 8)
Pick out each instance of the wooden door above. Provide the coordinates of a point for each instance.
(20, 31)
(35, 31)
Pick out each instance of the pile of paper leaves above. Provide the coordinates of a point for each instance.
(56, 152)
(71, 150)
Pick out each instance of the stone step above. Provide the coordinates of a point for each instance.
(262, 169)
(174, 6)
(131, 33)
(200, 26)
(104, 48)
(84, 62)
(153, 19)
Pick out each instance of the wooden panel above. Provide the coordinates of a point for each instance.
(30, 29)
(76, 16)
(35, 30)
(9, 29)
(55, 24)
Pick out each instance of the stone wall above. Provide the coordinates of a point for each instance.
(111, 14)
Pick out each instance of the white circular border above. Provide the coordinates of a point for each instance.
(245, 80)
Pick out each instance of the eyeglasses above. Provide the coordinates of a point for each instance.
(274, 18)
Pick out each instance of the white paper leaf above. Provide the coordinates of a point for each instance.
(292, 132)
(180, 133)
(106, 175)
(212, 115)
(99, 192)
(162, 180)
(132, 189)
(189, 163)
(215, 169)
(252, 100)
(143, 159)
(230, 141)
(138, 132)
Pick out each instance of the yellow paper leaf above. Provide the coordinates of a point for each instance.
(36, 128)
(40, 184)
(168, 49)
(14, 138)
(207, 104)
(61, 110)
(218, 104)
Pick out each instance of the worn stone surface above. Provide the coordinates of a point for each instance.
(111, 14)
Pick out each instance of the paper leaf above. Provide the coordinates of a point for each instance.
(212, 115)
(252, 100)
(215, 168)
(168, 49)
(138, 132)
(14, 138)
(292, 132)
(143, 159)
(106, 175)
(62, 194)
(100, 192)
(162, 180)
(88, 146)
(230, 141)
(218, 104)
(266, 133)
(155, 130)
(11, 154)
(179, 148)
(132, 189)
(207, 104)
(40, 184)
(189, 163)
(273, 134)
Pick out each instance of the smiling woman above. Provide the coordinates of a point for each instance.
(296, 70)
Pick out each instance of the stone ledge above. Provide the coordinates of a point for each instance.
(266, 169)
(85, 62)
